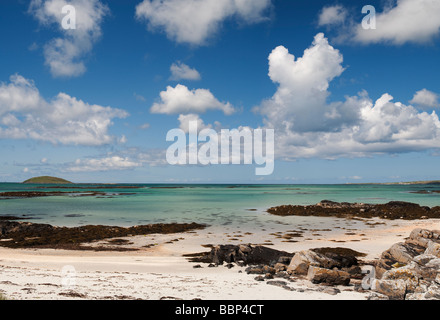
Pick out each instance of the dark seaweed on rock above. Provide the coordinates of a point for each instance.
(392, 210)
(15, 234)
(92, 187)
(28, 194)
(242, 254)
(39, 194)
(331, 252)
(425, 191)
(5, 218)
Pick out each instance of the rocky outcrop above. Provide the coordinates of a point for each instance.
(410, 270)
(247, 255)
(422, 237)
(407, 270)
(11, 229)
(303, 260)
(392, 210)
(327, 276)
(433, 248)
(395, 290)
(399, 254)
(326, 266)
(20, 234)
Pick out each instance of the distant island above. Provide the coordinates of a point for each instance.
(433, 182)
(47, 180)
(420, 182)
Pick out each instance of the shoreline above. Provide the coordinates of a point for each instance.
(160, 270)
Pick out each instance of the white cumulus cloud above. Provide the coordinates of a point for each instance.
(426, 99)
(195, 21)
(181, 100)
(399, 22)
(307, 125)
(65, 55)
(408, 21)
(25, 114)
(300, 101)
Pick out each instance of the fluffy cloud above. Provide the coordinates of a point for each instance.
(405, 21)
(181, 100)
(300, 101)
(186, 119)
(307, 125)
(65, 55)
(332, 15)
(426, 99)
(194, 21)
(24, 114)
(181, 71)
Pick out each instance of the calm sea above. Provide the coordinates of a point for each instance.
(211, 204)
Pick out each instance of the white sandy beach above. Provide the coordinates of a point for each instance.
(161, 272)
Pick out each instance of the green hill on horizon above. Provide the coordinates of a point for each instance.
(47, 180)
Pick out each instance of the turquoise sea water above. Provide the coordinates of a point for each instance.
(211, 204)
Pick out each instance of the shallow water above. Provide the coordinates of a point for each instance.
(219, 205)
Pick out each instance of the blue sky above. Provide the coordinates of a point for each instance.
(79, 103)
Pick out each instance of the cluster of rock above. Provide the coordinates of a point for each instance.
(392, 210)
(327, 266)
(247, 255)
(242, 255)
(410, 270)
